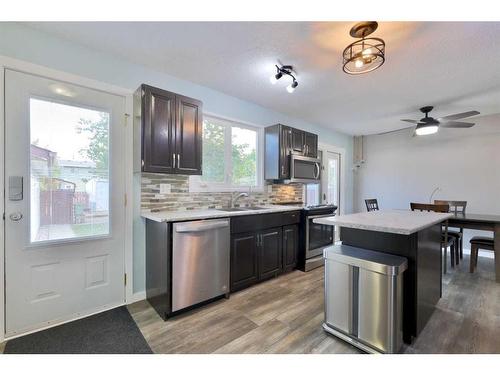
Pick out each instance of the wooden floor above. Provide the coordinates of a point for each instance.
(284, 315)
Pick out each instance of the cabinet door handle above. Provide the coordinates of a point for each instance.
(178, 160)
(173, 156)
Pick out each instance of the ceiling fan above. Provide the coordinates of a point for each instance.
(429, 125)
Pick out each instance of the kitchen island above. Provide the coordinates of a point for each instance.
(413, 235)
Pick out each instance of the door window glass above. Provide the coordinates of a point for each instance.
(69, 171)
(333, 183)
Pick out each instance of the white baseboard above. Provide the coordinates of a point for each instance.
(136, 297)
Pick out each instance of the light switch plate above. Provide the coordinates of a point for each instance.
(165, 188)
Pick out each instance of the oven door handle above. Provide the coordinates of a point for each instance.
(317, 216)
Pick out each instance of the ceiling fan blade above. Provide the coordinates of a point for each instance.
(411, 121)
(394, 131)
(456, 124)
(458, 116)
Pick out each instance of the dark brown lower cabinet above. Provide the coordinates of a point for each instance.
(290, 247)
(270, 253)
(263, 246)
(244, 260)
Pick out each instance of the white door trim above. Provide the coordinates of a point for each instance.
(2, 208)
(342, 152)
(19, 65)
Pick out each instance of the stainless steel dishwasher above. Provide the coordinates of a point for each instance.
(200, 261)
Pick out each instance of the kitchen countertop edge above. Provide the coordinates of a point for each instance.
(172, 216)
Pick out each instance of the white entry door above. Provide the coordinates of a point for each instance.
(64, 201)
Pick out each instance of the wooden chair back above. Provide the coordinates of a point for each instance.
(430, 207)
(457, 207)
(371, 205)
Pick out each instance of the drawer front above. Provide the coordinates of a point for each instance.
(291, 217)
(250, 223)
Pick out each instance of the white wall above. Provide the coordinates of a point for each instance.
(464, 163)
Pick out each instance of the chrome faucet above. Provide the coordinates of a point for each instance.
(234, 199)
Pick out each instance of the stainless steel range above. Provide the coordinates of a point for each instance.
(315, 237)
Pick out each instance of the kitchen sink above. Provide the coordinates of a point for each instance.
(253, 208)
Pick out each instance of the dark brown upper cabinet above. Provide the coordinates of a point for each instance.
(276, 155)
(280, 142)
(310, 145)
(171, 130)
(188, 135)
(297, 141)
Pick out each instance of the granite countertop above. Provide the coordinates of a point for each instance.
(170, 216)
(397, 221)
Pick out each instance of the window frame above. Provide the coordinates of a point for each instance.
(197, 185)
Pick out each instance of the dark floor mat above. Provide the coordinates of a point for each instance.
(110, 332)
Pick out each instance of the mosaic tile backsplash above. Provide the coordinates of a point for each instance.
(181, 199)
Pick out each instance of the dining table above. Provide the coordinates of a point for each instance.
(481, 222)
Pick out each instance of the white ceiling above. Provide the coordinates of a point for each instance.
(453, 66)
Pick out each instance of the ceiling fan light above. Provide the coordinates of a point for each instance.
(426, 129)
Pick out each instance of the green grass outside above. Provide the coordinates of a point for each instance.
(82, 230)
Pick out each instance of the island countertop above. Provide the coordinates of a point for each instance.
(395, 221)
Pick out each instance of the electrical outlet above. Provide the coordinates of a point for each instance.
(269, 188)
(165, 188)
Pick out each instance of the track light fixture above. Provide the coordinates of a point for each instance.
(285, 70)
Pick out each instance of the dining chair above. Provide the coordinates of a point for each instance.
(476, 243)
(371, 205)
(451, 241)
(456, 207)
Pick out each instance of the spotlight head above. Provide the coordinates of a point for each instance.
(291, 87)
(275, 77)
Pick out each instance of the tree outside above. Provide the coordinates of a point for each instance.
(98, 148)
(243, 156)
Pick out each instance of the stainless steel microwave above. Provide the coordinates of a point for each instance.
(304, 169)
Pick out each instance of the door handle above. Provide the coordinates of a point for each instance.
(178, 160)
(16, 216)
(316, 167)
(173, 156)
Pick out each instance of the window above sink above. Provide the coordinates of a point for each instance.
(232, 157)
